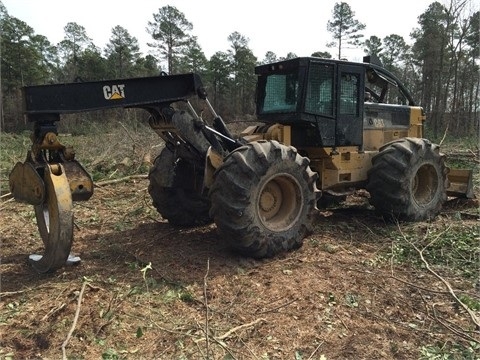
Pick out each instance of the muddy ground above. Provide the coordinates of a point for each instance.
(150, 291)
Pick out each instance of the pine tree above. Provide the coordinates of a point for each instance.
(344, 27)
(170, 30)
(122, 52)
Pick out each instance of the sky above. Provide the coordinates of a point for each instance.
(298, 26)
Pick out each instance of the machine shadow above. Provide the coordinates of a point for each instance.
(175, 255)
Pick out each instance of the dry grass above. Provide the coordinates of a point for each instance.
(153, 291)
(357, 289)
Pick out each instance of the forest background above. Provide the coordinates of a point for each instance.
(153, 291)
(439, 64)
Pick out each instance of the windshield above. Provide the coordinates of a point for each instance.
(282, 93)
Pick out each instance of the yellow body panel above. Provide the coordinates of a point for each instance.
(343, 168)
(373, 139)
(417, 118)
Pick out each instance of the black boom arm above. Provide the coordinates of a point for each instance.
(98, 95)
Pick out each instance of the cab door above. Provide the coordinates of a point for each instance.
(350, 98)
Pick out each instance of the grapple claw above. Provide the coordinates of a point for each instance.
(54, 220)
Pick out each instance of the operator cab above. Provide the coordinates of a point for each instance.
(322, 99)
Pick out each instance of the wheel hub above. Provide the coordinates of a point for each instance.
(280, 202)
(424, 184)
(270, 199)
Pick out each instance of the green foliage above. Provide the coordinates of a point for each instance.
(122, 52)
(450, 351)
(471, 303)
(107, 151)
(192, 59)
(373, 46)
(351, 300)
(170, 31)
(14, 149)
(437, 47)
(461, 153)
(451, 143)
(344, 27)
(439, 68)
(177, 293)
(110, 354)
(454, 247)
(243, 80)
(23, 54)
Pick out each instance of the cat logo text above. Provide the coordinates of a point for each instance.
(114, 92)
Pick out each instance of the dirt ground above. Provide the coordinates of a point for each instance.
(150, 291)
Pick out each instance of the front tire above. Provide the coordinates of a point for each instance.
(264, 199)
(172, 194)
(408, 180)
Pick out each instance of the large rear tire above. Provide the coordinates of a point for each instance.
(180, 205)
(264, 199)
(408, 180)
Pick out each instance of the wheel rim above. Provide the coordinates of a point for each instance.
(280, 202)
(425, 184)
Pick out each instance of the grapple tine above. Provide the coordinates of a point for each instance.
(54, 220)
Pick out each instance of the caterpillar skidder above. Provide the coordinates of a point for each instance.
(328, 128)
